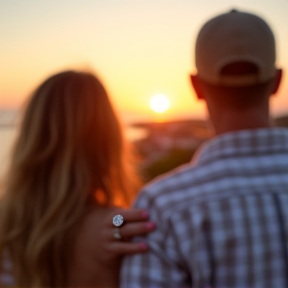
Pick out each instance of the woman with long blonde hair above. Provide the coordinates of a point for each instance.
(70, 172)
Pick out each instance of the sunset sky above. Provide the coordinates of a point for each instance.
(138, 48)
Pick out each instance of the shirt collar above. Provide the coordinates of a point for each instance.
(243, 143)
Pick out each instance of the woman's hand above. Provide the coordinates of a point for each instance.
(136, 223)
(97, 253)
(96, 234)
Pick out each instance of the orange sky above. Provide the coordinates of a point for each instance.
(138, 48)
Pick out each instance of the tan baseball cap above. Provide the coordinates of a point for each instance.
(235, 37)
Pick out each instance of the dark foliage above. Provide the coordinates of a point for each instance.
(171, 160)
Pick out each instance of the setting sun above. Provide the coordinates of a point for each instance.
(159, 103)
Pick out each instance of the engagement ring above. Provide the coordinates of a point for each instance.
(118, 220)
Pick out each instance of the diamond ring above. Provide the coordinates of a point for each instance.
(117, 235)
(118, 220)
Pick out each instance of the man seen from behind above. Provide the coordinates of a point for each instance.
(222, 220)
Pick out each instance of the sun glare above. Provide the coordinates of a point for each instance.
(159, 103)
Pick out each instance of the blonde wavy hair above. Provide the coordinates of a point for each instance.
(69, 157)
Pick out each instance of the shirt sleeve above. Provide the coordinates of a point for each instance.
(161, 266)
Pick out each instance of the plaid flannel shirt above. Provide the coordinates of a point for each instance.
(221, 221)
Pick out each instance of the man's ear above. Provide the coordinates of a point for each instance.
(277, 80)
(196, 83)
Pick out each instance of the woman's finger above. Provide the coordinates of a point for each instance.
(129, 215)
(133, 214)
(136, 229)
(128, 231)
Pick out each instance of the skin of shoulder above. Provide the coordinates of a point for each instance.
(92, 264)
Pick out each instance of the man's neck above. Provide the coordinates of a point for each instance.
(235, 121)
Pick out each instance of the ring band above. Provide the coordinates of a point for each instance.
(118, 220)
(117, 234)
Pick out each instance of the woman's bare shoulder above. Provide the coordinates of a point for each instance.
(88, 264)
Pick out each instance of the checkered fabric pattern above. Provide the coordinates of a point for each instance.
(222, 220)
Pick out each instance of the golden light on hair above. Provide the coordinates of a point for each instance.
(100, 197)
(70, 145)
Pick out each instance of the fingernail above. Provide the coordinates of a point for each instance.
(150, 225)
(145, 214)
(143, 246)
